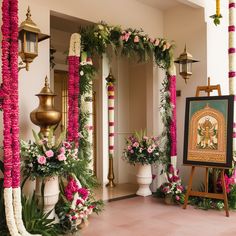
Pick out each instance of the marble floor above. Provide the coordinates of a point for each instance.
(120, 191)
(142, 216)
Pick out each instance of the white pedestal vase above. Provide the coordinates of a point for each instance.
(51, 194)
(144, 179)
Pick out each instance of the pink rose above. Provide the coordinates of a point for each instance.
(151, 40)
(41, 160)
(145, 137)
(61, 157)
(74, 218)
(129, 147)
(66, 145)
(126, 36)
(177, 197)
(136, 39)
(49, 153)
(131, 151)
(150, 150)
(157, 41)
(136, 144)
(62, 150)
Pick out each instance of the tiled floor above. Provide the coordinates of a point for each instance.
(141, 216)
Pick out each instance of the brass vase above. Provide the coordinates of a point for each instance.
(45, 115)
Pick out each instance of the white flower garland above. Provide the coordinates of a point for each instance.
(10, 219)
(75, 45)
(232, 67)
(18, 212)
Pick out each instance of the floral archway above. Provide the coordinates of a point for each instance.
(95, 40)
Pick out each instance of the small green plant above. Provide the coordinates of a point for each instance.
(35, 220)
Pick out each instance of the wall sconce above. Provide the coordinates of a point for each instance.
(29, 37)
(185, 61)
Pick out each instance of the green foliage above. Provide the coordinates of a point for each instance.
(166, 116)
(206, 203)
(87, 73)
(216, 19)
(130, 43)
(232, 197)
(35, 220)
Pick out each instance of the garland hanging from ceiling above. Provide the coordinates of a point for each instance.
(11, 147)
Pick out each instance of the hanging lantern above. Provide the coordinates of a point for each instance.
(29, 37)
(185, 61)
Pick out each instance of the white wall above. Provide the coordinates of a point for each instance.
(184, 24)
(217, 46)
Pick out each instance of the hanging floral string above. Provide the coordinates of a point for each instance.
(73, 89)
(12, 191)
(216, 17)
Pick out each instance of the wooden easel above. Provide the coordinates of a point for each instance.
(223, 196)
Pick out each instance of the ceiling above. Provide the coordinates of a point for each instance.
(160, 4)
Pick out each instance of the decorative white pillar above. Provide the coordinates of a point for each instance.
(232, 66)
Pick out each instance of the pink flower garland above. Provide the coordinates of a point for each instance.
(10, 91)
(7, 141)
(14, 93)
(172, 89)
(73, 101)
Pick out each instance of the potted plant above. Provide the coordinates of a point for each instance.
(142, 151)
(45, 160)
(173, 191)
(75, 205)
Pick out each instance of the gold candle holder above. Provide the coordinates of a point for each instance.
(111, 175)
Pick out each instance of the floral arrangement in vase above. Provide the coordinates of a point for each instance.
(173, 190)
(77, 203)
(45, 157)
(141, 149)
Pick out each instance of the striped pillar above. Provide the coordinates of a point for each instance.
(232, 66)
(111, 127)
(111, 105)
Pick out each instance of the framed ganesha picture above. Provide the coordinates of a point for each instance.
(208, 135)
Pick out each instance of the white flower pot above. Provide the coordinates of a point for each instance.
(144, 179)
(51, 194)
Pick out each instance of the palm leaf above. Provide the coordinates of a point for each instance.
(60, 139)
(36, 137)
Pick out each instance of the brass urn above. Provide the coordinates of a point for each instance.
(45, 115)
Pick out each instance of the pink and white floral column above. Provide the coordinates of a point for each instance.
(232, 65)
(12, 190)
(173, 133)
(73, 89)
